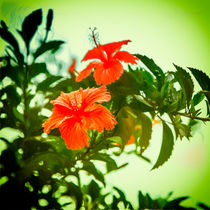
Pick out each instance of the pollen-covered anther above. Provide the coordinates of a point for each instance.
(76, 100)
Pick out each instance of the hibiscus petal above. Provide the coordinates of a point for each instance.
(87, 71)
(113, 47)
(62, 101)
(74, 134)
(72, 67)
(54, 121)
(95, 53)
(110, 74)
(98, 117)
(131, 140)
(92, 95)
(126, 57)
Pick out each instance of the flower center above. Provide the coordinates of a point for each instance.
(76, 100)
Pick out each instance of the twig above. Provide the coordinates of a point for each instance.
(192, 117)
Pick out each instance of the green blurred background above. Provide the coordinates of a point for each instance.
(169, 32)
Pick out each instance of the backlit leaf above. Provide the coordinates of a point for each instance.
(186, 83)
(146, 124)
(197, 98)
(154, 68)
(166, 147)
(202, 79)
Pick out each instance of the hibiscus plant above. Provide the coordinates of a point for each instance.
(63, 125)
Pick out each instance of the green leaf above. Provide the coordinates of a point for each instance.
(186, 83)
(207, 109)
(90, 168)
(44, 85)
(165, 89)
(74, 190)
(65, 85)
(110, 163)
(203, 206)
(93, 190)
(14, 73)
(29, 26)
(154, 68)
(202, 79)
(166, 147)
(47, 46)
(175, 204)
(197, 98)
(37, 68)
(143, 78)
(146, 202)
(146, 124)
(122, 198)
(12, 95)
(125, 125)
(139, 98)
(137, 103)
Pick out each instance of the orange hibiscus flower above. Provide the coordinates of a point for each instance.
(72, 67)
(138, 127)
(108, 67)
(76, 112)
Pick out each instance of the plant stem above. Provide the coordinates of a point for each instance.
(25, 100)
(192, 117)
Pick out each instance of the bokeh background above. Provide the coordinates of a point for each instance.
(174, 31)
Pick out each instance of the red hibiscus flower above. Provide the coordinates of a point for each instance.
(76, 112)
(108, 67)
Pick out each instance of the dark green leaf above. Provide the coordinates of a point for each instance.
(146, 124)
(65, 85)
(138, 104)
(110, 163)
(154, 68)
(202, 79)
(207, 109)
(122, 198)
(29, 26)
(37, 68)
(186, 83)
(19, 57)
(46, 46)
(14, 73)
(175, 204)
(4, 25)
(146, 202)
(93, 190)
(90, 168)
(44, 85)
(8, 37)
(197, 98)
(12, 96)
(49, 19)
(166, 147)
(74, 190)
(203, 206)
